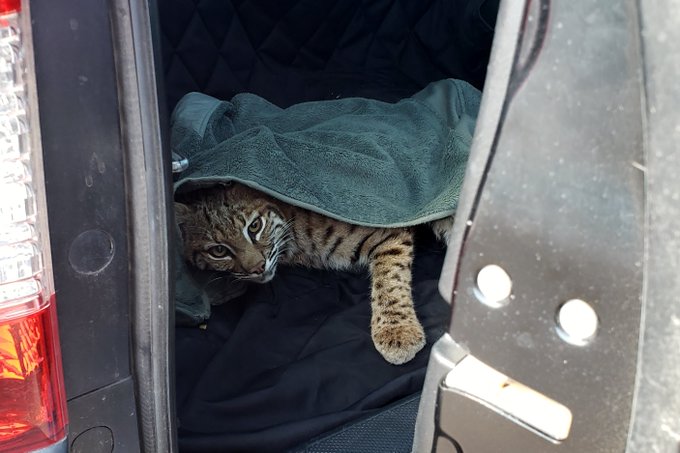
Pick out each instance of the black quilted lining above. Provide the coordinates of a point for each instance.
(234, 391)
(290, 51)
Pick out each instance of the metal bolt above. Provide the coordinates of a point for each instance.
(494, 286)
(577, 322)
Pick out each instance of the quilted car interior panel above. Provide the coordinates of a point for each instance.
(290, 51)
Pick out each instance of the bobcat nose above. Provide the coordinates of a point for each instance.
(258, 268)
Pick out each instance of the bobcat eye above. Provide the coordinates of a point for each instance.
(219, 251)
(255, 225)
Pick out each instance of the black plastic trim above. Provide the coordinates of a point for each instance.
(148, 183)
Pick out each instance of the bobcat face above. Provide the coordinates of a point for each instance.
(233, 229)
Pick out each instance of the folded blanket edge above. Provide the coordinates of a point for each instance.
(210, 181)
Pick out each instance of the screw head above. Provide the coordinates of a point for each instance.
(577, 322)
(494, 286)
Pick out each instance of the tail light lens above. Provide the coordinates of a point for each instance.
(32, 399)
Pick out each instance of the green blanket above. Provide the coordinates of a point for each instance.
(358, 160)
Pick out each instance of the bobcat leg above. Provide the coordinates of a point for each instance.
(395, 329)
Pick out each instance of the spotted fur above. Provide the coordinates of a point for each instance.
(248, 233)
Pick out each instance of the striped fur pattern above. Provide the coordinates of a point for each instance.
(248, 233)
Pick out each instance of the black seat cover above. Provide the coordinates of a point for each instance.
(293, 359)
(289, 51)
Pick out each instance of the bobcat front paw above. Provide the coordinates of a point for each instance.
(398, 343)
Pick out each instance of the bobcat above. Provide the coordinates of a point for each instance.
(240, 230)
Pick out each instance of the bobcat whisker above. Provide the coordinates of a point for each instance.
(216, 279)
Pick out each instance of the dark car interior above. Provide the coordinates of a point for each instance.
(292, 360)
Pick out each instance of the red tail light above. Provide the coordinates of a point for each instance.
(32, 399)
(9, 6)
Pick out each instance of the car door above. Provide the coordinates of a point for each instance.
(560, 267)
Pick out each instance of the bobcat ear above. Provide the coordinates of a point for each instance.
(182, 212)
(182, 215)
